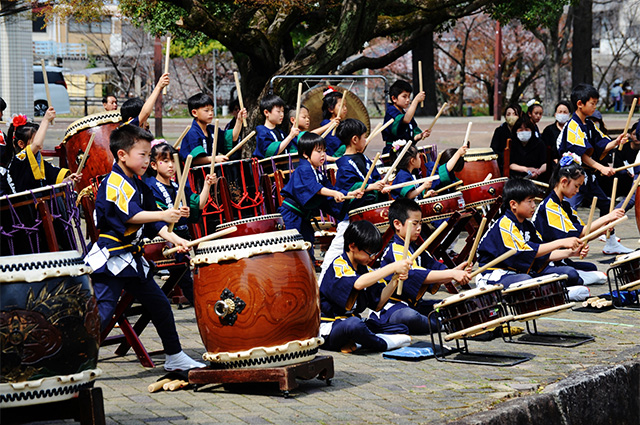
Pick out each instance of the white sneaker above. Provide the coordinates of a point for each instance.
(593, 278)
(180, 361)
(578, 293)
(614, 247)
(395, 340)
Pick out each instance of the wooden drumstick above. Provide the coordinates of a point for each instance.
(328, 130)
(612, 204)
(373, 133)
(216, 235)
(631, 192)
(594, 201)
(476, 242)
(541, 184)
(466, 136)
(176, 164)
(452, 185)
(378, 130)
(86, 154)
(166, 386)
(411, 182)
(157, 386)
(214, 146)
(626, 127)
(297, 123)
(420, 81)
(45, 77)
(600, 231)
(442, 108)
(176, 385)
(180, 193)
(488, 177)
(626, 167)
(405, 252)
(493, 262)
(176, 145)
(166, 61)
(386, 177)
(240, 101)
(436, 164)
(339, 113)
(368, 176)
(241, 144)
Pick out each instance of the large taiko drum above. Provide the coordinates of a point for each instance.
(378, 214)
(441, 207)
(257, 300)
(49, 324)
(76, 139)
(472, 312)
(254, 225)
(533, 298)
(484, 193)
(478, 163)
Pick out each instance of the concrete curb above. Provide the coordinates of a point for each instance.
(598, 395)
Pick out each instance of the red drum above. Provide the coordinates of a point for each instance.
(254, 225)
(76, 139)
(484, 193)
(626, 272)
(478, 163)
(257, 301)
(41, 220)
(378, 214)
(472, 312)
(153, 252)
(530, 299)
(441, 206)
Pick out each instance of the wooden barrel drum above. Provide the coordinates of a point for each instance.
(478, 163)
(544, 295)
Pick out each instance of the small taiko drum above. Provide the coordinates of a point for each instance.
(484, 193)
(626, 272)
(286, 162)
(50, 328)
(378, 214)
(76, 139)
(533, 298)
(257, 302)
(441, 207)
(472, 312)
(478, 163)
(153, 251)
(254, 225)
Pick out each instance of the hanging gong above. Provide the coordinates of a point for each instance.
(312, 99)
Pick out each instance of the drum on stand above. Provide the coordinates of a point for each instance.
(254, 225)
(441, 207)
(378, 214)
(48, 317)
(257, 301)
(478, 163)
(624, 275)
(76, 139)
(533, 298)
(481, 194)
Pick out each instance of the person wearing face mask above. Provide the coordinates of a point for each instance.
(528, 153)
(552, 131)
(503, 133)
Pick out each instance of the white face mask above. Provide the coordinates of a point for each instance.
(524, 136)
(563, 118)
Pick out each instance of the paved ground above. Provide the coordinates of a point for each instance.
(366, 387)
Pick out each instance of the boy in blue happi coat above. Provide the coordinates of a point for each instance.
(270, 139)
(401, 110)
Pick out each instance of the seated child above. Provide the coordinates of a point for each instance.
(353, 166)
(426, 274)
(165, 190)
(136, 112)
(198, 142)
(28, 169)
(555, 219)
(270, 140)
(401, 110)
(125, 212)
(307, 191)
(513, 230)
(330, 113)
(350, 286)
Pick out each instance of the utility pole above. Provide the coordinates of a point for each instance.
(497, 81)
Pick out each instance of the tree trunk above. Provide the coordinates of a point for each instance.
(424, 52)
(581, 68)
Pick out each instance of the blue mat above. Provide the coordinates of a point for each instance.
(421, 350)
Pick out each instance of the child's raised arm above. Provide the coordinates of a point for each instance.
(411, 111)
(237, 127)
(145, 112)
(38, 140)
(292, 135)
(209, 180)
(451, 163)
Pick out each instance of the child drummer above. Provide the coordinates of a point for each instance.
(125, 212)
(401, 110)
(514, 231)
(350, 286)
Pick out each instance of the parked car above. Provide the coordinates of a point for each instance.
(57, 88)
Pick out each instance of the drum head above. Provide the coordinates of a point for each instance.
(312, 100)
(530, 283)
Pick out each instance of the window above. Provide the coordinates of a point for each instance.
(102, 27)
(39, 25)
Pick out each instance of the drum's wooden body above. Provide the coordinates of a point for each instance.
(77, 137)
(530, 299)
(478, 163)
(483, 193)
(441, 206)
(254, 225)
(378, 214)
(626, 271)
(257, 300)
(50, 328)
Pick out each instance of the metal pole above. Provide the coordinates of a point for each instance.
(497, 93)
(215, 85)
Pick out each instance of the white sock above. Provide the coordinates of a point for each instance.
(578, 293)
(593, 278)
(395, 340)
(180, 361)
